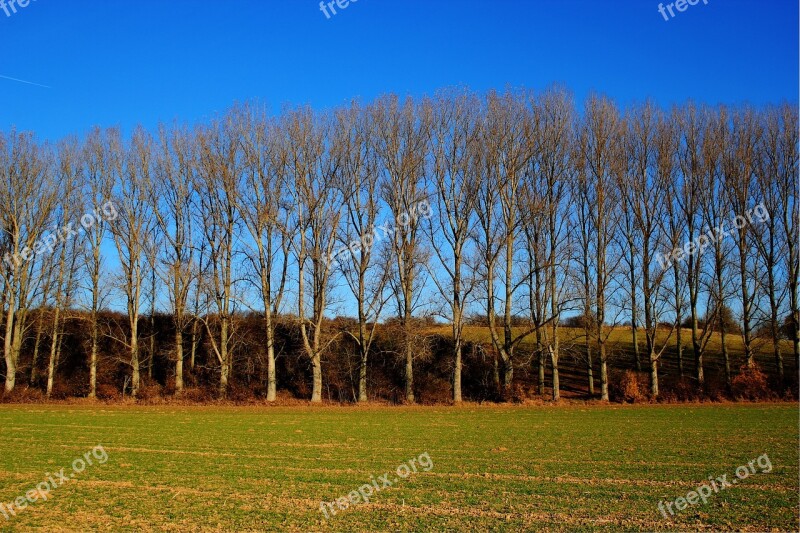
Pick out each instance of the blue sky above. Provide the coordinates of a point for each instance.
(123, 62)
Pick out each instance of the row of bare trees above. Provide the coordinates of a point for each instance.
(515, 206)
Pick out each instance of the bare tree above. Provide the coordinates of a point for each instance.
(629, 244)
(403, 130)
(102, 151)
(173, 199)
(508, 145)
(509, 203)
(132, 235)
(777, 182)
(784, 170)
(69, 172)
(601, 145)
(28, 201)
(580, 192)
(739, 167)
(219, 170)
(455, 161)
(364, 268)
(268, 217)
(45, 294)
(652, 142)
(313, 171)
(548, 224)
(716, 213)
(694, 145)
(676, 237)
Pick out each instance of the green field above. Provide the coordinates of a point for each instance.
(502, 468)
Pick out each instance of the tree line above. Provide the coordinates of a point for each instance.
(515, 210)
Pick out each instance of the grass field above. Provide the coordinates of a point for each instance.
(573, 467)
(574, 376)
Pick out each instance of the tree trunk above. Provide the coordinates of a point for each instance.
(225, 364)
(773, 304)
(11, 363)
(697, 350)
(746, 325)
(653, 376)
(152, 352)
(16, 345)
(224, 370)
(272, 379)
(93, 360)
(679, 346)
(316, 391)
(793, 305)
(725, 356)
(409, 371)
(541, 361)
(457, 375)
(11, 372)
(589, 359)
(193, 349)
(135, 377)
(58, 348)
(542, 365)
(362, 377)
(603, 373)
(508, 376)
(778, 355)
(720, 303)
(678, 317)
(36, 344)
(178, 360)
(636, 358)
(51, 368)
(634, 311)
(554, 361)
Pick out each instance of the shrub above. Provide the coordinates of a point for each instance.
(680, 390)
(62, 390)
(751, 384)
(519, 393)
(629, 386)
(149, 391)
(716, 389)
(435, 391)
(197, 394)
(23, 395)
(239, 393)
(107, 391)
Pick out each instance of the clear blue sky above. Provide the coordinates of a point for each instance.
(122, 62)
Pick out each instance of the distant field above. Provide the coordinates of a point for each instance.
(573, 373)
(496, 468)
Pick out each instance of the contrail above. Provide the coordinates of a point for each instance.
(23, 81)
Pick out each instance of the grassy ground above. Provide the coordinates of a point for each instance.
(500, 468)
